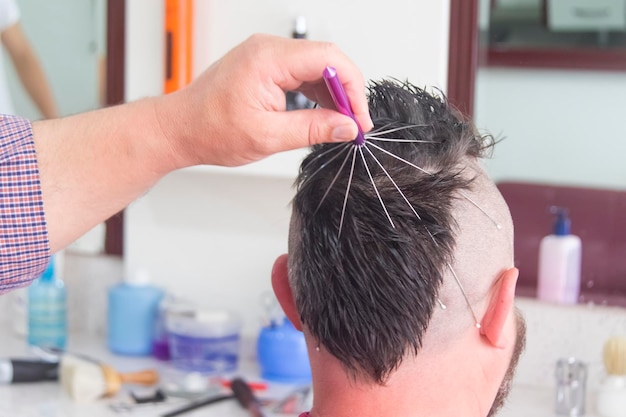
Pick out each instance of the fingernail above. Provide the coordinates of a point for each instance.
(344, 132)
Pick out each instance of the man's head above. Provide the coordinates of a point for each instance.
(397, 245)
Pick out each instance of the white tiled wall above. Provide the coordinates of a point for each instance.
(87, 279)
(212, 237)
(557, 331)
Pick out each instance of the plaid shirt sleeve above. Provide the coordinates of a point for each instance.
(24, 248)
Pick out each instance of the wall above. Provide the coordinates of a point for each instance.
(404, 39)
(561, 127)
(212, 234)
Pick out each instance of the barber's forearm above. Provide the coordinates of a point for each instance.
(92, 165)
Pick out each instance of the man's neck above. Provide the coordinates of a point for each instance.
(421, 387)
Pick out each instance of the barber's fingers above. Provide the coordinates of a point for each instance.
(303, 62)
(301, 128)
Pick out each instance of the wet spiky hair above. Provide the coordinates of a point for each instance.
(367, 292)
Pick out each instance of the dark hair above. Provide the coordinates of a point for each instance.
(367, 293)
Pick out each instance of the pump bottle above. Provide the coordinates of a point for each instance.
(559, 262)
(47, 308)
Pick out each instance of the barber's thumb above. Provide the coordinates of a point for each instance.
(302, 128)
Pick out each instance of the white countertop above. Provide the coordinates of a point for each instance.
(49, 400)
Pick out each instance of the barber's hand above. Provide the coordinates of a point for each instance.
(234, 113)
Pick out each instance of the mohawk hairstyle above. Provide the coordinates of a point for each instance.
(367, 292)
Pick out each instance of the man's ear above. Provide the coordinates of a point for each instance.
(499, 308)
(282, 290)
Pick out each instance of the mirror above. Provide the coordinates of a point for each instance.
(566, 119)
(556, 25)
(550, 80)
(69, 39)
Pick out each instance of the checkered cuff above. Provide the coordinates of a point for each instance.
(24, 248)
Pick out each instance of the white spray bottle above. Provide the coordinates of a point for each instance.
(559, 262)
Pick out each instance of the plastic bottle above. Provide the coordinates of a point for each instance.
(559, 262)
(295, 99)
(282, 354)
(132, 311)
(47, 309)
(611, 399)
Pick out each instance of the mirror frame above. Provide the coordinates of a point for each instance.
(463, 54)
(115, 63)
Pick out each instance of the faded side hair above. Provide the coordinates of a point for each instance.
(367, 293)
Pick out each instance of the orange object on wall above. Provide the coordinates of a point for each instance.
(178, 43)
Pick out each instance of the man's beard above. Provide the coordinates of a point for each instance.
(505, 387)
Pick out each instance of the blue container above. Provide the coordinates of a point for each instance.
(204, 341)
(47, 310)
(132, 313)
(282, 354)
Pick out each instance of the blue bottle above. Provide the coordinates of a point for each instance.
(282, 354)
(47, 310)
(132, 314)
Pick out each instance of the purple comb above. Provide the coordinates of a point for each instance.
(341, 100)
